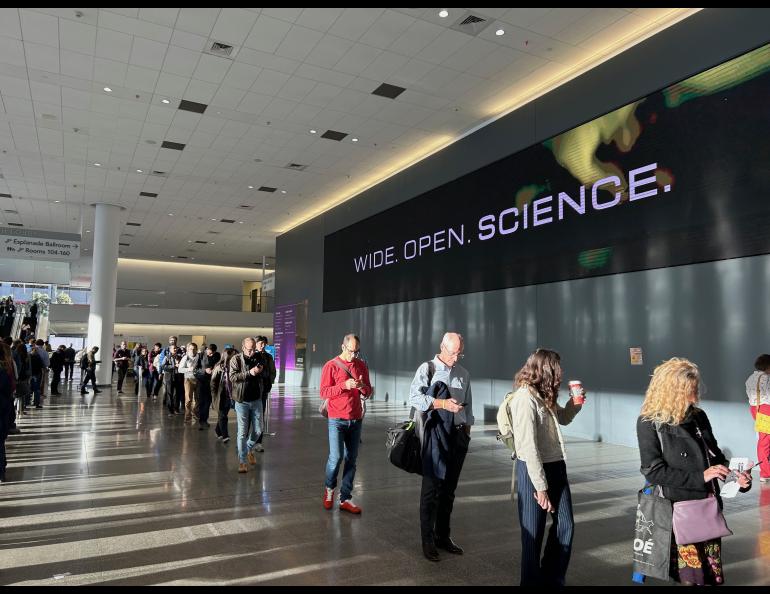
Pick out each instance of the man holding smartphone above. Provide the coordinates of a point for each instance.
(438, 495)
(247, 392)
(344, 380)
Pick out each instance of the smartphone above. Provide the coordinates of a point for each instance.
(463, 404)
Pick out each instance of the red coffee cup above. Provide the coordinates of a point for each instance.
(577, 392)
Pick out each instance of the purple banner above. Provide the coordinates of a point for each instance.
(284, 336)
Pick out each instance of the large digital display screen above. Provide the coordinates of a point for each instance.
(678, 177)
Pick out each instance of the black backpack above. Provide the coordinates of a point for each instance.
(403, 441)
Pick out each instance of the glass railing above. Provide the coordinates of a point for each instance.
(192, 300)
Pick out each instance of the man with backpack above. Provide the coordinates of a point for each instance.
(438, 487)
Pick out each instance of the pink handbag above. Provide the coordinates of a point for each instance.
(699, 520)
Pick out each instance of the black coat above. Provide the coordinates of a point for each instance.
(676, 461)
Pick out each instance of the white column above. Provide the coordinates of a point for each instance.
(104, 284)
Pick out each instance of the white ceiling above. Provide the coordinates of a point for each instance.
(293, 69)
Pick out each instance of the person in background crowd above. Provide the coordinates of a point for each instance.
(121, 359)
(187, 366)
(7, 386)
(173, 380)
(57, 364)
(268, 379)
(69, 363)
(204, 370)
(46, 365)
(24, 369)
(142, 372)
(36, 363)
(758, 391)
(155, 377)
(88, 370)
(221, 393)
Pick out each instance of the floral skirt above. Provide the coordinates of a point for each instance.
(699, 563)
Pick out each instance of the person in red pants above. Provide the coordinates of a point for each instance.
(758, 391)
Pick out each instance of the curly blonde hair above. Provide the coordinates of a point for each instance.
(668, 395)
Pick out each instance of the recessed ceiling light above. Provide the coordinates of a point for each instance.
(354, 140)
(251, 187)
(499, 32)
(213, 219)
(212, 243)
(87, 231)
(444, 13)
(139, 171)
(57, 201)
(166, 101)
(189, 241)
(97, 164)
(241, 222)
(313, 131)
(107, 90)
(283, 191)
(171, 214)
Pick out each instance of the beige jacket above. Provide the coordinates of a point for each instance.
(536, 432)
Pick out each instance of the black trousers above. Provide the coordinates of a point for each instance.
(204, 400)
(88, 375)
(69, 371)
(121, 376)
(438, 496)
(55, 381)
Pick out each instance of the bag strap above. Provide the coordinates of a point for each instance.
(699, 433)
(759, 379)
(339, 364)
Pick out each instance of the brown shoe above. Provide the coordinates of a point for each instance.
(243, 468)
(251, 458)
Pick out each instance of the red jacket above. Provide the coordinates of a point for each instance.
(344, 404)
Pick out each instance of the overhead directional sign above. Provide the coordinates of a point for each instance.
(38, 245)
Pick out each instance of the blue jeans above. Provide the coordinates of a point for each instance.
(36, 385)
(248, 413)
(344, 438)
(552, 569)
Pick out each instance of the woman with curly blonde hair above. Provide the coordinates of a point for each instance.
(679, 453)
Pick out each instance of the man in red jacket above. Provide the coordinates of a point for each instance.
(344, 381)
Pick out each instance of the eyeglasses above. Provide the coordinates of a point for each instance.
(458, 354)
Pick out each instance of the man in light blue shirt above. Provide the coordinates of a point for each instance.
(437, 496)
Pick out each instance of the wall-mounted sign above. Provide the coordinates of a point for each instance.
(637, 357)
(38, 245)
(268, 283)
(674, 178)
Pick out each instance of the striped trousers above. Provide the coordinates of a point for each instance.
(558, 548)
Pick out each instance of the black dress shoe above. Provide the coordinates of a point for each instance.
(449, 546)
(430, 552)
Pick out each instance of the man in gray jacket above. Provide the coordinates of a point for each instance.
(438, 495)
(245, 375)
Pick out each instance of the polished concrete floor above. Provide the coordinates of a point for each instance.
(108, 490)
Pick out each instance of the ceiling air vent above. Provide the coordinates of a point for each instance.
(267, 189)
(212, 233)
(177, 146)
(134, 224)
(296, 167)
(148, 194)
(217, 48)
(15, 224)
(334, 135)
(199, 241)
(246, 206)
(192, 106)
(125, 244)
(181, 257)
(5, 195)
(226, 221)
(11, 211)
(160, 173)
(389, 91)
(471, 24)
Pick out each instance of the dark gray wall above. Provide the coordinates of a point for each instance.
(708, 312)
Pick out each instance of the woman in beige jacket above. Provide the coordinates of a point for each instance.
(541, 474)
